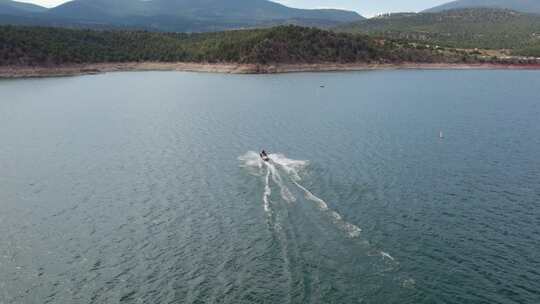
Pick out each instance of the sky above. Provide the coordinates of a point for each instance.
(367, 8)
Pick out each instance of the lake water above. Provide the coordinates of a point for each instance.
(145, 188)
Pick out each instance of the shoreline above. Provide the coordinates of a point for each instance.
(11, 72)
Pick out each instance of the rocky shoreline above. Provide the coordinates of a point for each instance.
(231, 68)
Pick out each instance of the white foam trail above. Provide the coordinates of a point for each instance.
(386, 255)
(352, 230)
(267, 193)
(322, 204)
(251, 159)
(291, 166)
(336, 215)
(284, 191)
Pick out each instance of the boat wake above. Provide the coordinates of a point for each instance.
(291, 169)
(267, 192)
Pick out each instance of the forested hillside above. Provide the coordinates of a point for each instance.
(465, 28)
(27, 46)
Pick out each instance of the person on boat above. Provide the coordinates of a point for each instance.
(264, 155)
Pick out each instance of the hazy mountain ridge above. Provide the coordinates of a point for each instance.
(178, 15)
(526, 6)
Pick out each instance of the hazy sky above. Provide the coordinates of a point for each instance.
(365, 7)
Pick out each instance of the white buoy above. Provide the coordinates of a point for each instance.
(441, 135)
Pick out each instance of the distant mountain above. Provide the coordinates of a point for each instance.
(9, 7)
(230, 9)
(464, 28)
(526, 6)
(181, 15)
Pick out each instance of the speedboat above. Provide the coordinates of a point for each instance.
(264, 156)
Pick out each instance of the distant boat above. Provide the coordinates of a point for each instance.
(441, 135)
(322, 86)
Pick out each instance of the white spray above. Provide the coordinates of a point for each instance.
(284, 191)
(267, 193)
(292, 167)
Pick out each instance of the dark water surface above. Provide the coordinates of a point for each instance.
(140, 188)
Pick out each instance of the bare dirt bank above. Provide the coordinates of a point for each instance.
(231, 68)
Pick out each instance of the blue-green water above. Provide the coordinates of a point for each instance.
(141, 188)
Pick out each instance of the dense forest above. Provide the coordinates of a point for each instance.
(40, 46)
(484, 28)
